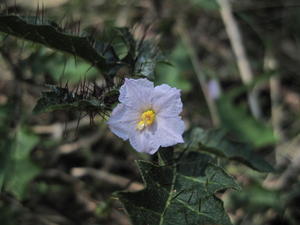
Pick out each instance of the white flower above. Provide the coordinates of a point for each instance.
(148, 116)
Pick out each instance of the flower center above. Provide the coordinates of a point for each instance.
(147, 119)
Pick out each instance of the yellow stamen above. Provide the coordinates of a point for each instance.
(147, 119)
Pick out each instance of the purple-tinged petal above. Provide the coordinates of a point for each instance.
(214, 89)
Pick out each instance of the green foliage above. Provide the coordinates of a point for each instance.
(8, 214)
(61, 99)
(115, 48)
(51, 35)
(7, 144)
(236, 119)
(255, 197)
(6, 151)
(173, 74)
(179, 191)
(216, 142)
(147, 58)
(206, 4)
(16, 167)
(22, 169)
(60, 67)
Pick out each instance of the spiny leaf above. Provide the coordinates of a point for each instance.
(147, 58)
(61, 99)
(215, 141)
(51, 35)
(114, 49)
(180, 193)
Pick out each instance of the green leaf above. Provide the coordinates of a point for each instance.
(6, 159)
(22, 169)
(61, 99)
(173, 74)
(51, 35)
(111, 51)
(122, 43)
(179, 193)
(16, 167)
(7, 143)
(254, 198)
(211, 5)
(216, 142)
(236, 119)
(148, 56)
(61, 68)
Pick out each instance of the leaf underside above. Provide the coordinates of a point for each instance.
(179, 194)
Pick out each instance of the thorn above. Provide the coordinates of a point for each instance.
(61, 21)
(76, 91)
(143, 37)
(79, 27)
(78, 121)
(80, 88)
(6, 6)
(73, 89)
(65, 129)
(92, 116)
(179, 193)
(21, 50)
(65, 25)
(67, 85)
(63, 71)
(15, 7)
(43, 12)
(84, 83)
(37, 13)
(88, 70)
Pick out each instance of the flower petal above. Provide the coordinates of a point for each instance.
(144, 141)
(169, 131)
(136, 93)
(122, 121)
(137, 96)
(166, 101)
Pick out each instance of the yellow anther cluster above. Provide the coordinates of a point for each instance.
(147, 119)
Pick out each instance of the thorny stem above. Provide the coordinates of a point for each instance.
(240, 54)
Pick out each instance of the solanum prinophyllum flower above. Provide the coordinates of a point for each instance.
(148, 116)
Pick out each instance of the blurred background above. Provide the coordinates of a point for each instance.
(238, 66)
